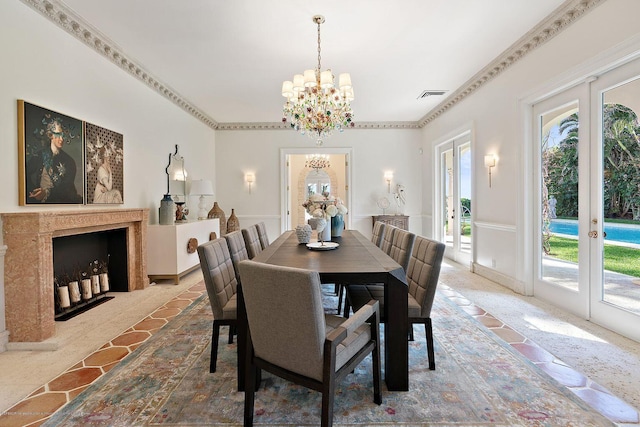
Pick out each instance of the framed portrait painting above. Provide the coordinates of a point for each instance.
(50, 150)
(104, 158)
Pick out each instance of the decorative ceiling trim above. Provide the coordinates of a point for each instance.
(555, 23)
(60, 14)
(282, 126)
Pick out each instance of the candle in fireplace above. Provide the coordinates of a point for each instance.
(63, 296)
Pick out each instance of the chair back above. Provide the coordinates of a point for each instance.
(378, 233)
(386, 241)
(262, 233)
(424, 271)
(219, 277)
(252, 241)
(287, 332)
(237, 249)
(401, 247)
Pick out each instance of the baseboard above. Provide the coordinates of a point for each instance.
(33, 346)
(501, 279)
(4, 340)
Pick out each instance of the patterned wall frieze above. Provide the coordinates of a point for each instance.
(569, 12)
(285, 126)
(67, 19)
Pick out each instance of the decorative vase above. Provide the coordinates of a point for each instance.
(104, 282)
(86, 289)
(337, 225)
(74, 291)
(216, 212)
(166, 210)
(232, 223)
(63, 297)
(95, 284)
(303, 232)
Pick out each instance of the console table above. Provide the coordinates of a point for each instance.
(400, 221)
(167, 253)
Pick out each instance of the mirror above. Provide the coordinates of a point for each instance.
(176, 177)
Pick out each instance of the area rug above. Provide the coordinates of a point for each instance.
(479, 381)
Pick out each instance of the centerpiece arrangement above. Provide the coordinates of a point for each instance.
(327, 207)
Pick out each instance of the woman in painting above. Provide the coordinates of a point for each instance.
(51, 172)
(104, 192)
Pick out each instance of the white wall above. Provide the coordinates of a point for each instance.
(374, 151)
(45, 66)
(498, 127)
(48, 67)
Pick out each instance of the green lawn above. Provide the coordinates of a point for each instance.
(616, 258)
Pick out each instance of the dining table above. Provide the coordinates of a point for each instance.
(354, 260)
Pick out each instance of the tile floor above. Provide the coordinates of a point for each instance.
(40, 404)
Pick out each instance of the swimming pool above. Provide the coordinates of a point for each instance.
(628, 233)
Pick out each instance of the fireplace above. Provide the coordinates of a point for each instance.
(29, 265)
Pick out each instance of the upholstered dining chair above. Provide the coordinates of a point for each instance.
(252, 241)
(398, 244)
(305, 346)
(378, 233)
(237, 249)
(376, 239)
(220, 281)
(262, 233)
(422, 278)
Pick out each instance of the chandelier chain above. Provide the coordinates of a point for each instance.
(319, 68)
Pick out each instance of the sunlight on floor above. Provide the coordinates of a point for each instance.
(555, 327)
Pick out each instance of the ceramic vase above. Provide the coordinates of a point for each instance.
(166, 210)
(337, 225)
(104, 282)
(74, 291)
(95, 284)
(303, 232)
(217, 212)
(232, 223)
(63, 297)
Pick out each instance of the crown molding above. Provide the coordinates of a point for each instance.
(285, 126)
(65, 18)
(565, 15)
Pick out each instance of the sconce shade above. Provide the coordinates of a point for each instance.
(249, 177)
(201, 187)
(489, 161)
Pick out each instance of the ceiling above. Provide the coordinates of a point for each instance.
(225, 60)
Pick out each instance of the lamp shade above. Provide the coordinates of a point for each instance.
(201, 187)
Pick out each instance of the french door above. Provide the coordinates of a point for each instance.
(587, 161)
(454, 200)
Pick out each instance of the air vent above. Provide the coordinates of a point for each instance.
(426, 93)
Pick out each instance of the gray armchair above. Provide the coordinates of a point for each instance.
(422, 277)
(294, 339)
(262, 233)
(237, 249)
(252, 241)
(220, 281)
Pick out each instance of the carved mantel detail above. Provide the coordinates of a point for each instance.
(28, 273)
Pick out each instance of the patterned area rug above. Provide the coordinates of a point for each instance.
(479, 381)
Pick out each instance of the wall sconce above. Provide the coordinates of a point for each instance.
(388, 176)
(249, 177)
(489, 162)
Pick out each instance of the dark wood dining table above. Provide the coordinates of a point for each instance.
(355, 260)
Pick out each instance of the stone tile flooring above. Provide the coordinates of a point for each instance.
(42, 403)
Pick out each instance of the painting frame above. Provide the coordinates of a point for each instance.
(51, 157)
(104, 165)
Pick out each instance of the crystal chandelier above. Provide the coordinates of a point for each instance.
(314, 106)
(317, 162)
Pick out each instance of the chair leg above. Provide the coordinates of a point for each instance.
(232, 331)
(327, 406)
(410, 331)
(347, 306)
(215, 335)
(340, 296)
(377, 374)
(429, 332)
(249, 394)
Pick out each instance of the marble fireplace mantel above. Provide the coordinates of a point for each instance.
(28, 272)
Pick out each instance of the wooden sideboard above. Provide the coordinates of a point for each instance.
(400, 221)
(167, 253)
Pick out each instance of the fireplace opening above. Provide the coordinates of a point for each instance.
(86, 268)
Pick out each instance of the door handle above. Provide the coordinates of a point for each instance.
(593, 234)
